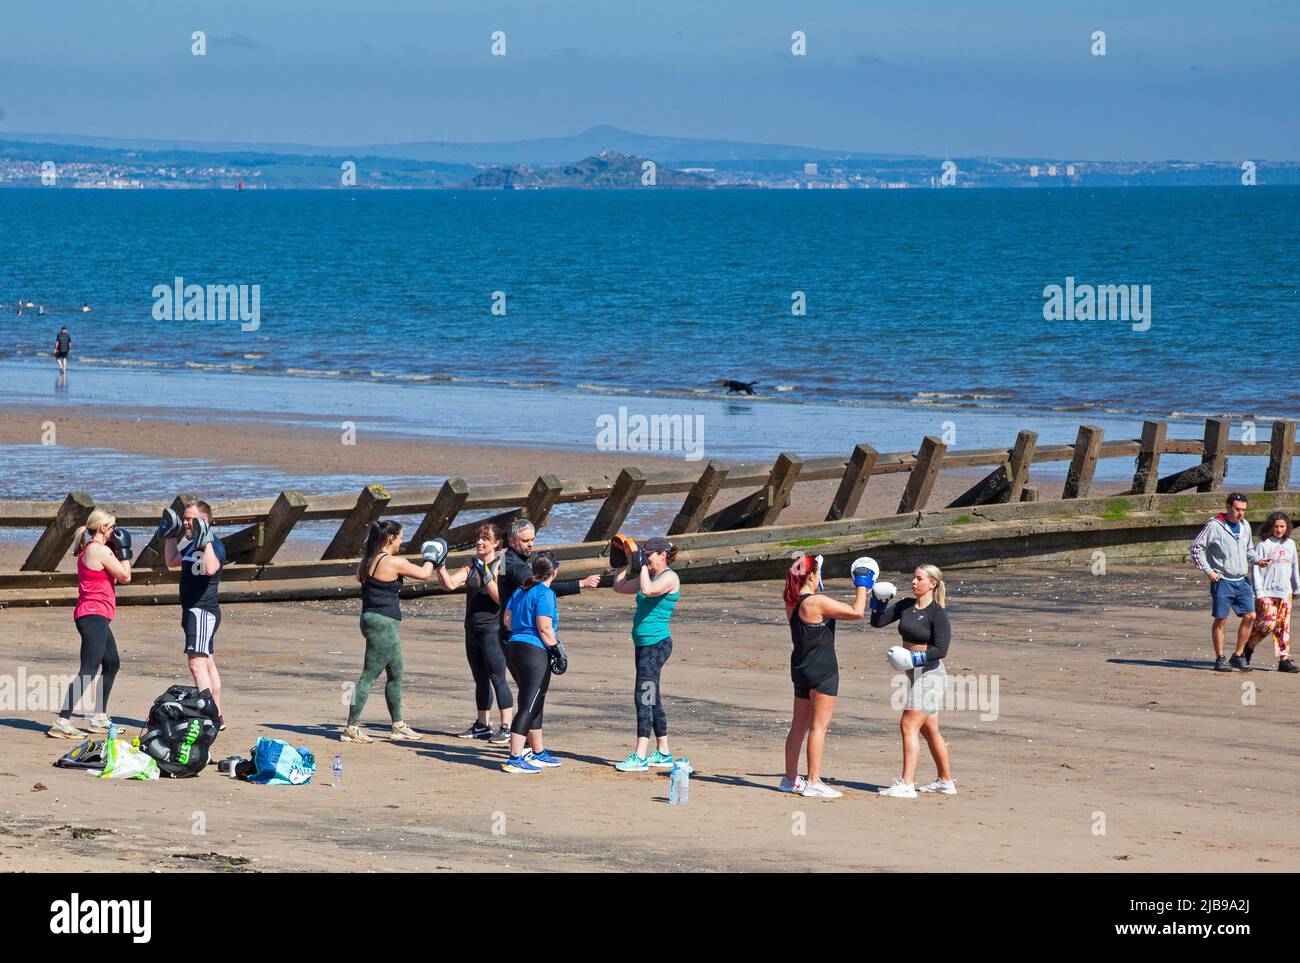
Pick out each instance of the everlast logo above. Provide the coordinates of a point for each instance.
(130, 916)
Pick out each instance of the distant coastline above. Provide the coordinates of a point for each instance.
(600, 158)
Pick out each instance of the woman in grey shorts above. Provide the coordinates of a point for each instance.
(923, 624)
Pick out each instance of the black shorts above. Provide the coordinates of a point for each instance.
(818, 670)
(200, 627)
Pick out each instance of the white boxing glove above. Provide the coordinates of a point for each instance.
(820, 571)
(904, 660)
(884, 591)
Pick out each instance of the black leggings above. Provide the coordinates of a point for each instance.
(98, 653)
(649, 695)
(531, 668)
(487, 661)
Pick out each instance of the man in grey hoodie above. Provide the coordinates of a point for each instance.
(1224, 552)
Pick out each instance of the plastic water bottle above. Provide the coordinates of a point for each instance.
(679, 783)
(338, 772)
(112, 731)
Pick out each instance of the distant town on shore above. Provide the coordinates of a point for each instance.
(599, 158)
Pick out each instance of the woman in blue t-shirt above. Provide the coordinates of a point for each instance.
(532, 618)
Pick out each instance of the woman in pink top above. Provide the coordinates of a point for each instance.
(103, 561)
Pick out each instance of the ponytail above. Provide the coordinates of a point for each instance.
(796, 576)
(543, 567)
(99, 518)
(940, 589)
(378, 534)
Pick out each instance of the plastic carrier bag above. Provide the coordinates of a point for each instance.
(124, 760)
(280, 764)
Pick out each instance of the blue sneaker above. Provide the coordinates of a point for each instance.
(520, 764)
(543, 758)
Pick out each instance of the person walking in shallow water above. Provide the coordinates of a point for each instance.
(62, 348)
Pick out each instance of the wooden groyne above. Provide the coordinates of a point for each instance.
(1002, 517)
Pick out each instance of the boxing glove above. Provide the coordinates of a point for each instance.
(559, 658)
(120, 543)
(904, 660)
(435, 551)
(865, 571)
(201, 532)
(169, 526)
(821, 567)
(481, 570)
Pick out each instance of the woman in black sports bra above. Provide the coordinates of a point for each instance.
(813, 669)
(381, 574)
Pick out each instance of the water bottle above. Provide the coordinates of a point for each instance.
(338, 772)
(679, 783)
(112, 731)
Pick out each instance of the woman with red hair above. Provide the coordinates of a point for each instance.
(813, 668)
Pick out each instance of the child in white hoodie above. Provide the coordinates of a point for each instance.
(1275, 578)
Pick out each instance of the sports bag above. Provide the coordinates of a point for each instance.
(181, 728)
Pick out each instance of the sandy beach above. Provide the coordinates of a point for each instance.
(1105, 710)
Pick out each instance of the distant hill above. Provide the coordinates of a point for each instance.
(605, 169)
(534, 152)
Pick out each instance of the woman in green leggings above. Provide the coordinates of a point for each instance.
(381, 574)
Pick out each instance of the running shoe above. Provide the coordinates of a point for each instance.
(660, 760)
(544, 758)
(63, 729)
(799, 784)
(1237, 662)
(945, 786)
(820, 790)
(477, 731)
(1221, 664)
(501, 737)
(401, 731)
(519, 764)
(99, 724)
(899, 789)
(353, 734)
(633, 763)
(1286, 665)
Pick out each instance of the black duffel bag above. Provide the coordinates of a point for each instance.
(182, 726)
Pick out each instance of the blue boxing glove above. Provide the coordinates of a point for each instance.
(865, 571)
(479, 568)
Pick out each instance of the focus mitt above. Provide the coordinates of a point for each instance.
(435, 551)
(559, 658)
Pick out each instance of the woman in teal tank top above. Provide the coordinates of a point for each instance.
(657, 590)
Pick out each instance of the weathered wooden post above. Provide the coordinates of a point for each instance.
(258, 543)
(154, 554)
(1147, 474)
(763, 506)
(541, 499)
(1281, 453)
(1216, 453)
(1087, 446)
(856, 475)
(57, 537)
(1022, 457)
(921, 481)
(696, 504)
(437, 520)
(614, 509)
(350, 539)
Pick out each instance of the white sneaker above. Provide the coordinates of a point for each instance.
(799, 784)
(63, 729)
(945, 786)
(820, 790)
(900, 790)
(353, 734)
(404, 733)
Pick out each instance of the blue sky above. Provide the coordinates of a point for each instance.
(1186, 79)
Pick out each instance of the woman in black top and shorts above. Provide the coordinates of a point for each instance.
(813, 667)
(483, 648)
(381, 574)
(926, 632)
